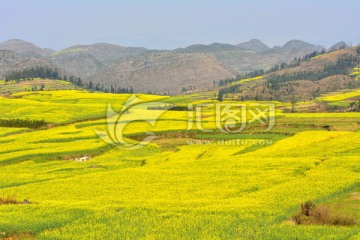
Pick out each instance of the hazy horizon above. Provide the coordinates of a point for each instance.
(163, 25)
(79, 44)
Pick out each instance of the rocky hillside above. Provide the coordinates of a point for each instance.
(103, 52)
(10, 61)
(254, 54)
(254, 45)
(80, 63)
(149, 70)
(339, 45)
(298, 46)
(23, 48)
(89, 60)
(211, 48)
(304, 80)
(164, 72)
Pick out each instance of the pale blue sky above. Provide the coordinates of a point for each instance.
(170, 24)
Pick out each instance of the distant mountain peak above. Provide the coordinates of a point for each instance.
(296, 45)
(255, 40)
(254, 45)
(214, 47)
(15, 40)
(24, 48)
(103, 52)
(339, 45)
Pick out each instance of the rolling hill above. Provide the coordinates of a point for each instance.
(338, 46)
(12, 61)
(164, 72)
(254, 45)
(304, 80)
(24, 48)
(195, 67)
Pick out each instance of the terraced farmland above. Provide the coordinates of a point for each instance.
(186, 184)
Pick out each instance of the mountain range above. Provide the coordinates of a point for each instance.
(158, 71)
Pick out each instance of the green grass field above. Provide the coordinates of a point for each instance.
(186, 184)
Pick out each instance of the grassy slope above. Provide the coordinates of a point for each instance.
(49, 84)
(304, 89)
(170, 189)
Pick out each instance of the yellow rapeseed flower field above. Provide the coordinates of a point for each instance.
(184, 185)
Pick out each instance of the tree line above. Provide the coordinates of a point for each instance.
(275, 82)
(239, 77)
(340, 67)
(53, 74)
(22, 123)
(277, 67)
(171, 107)
(31, 73)
(101, 88)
